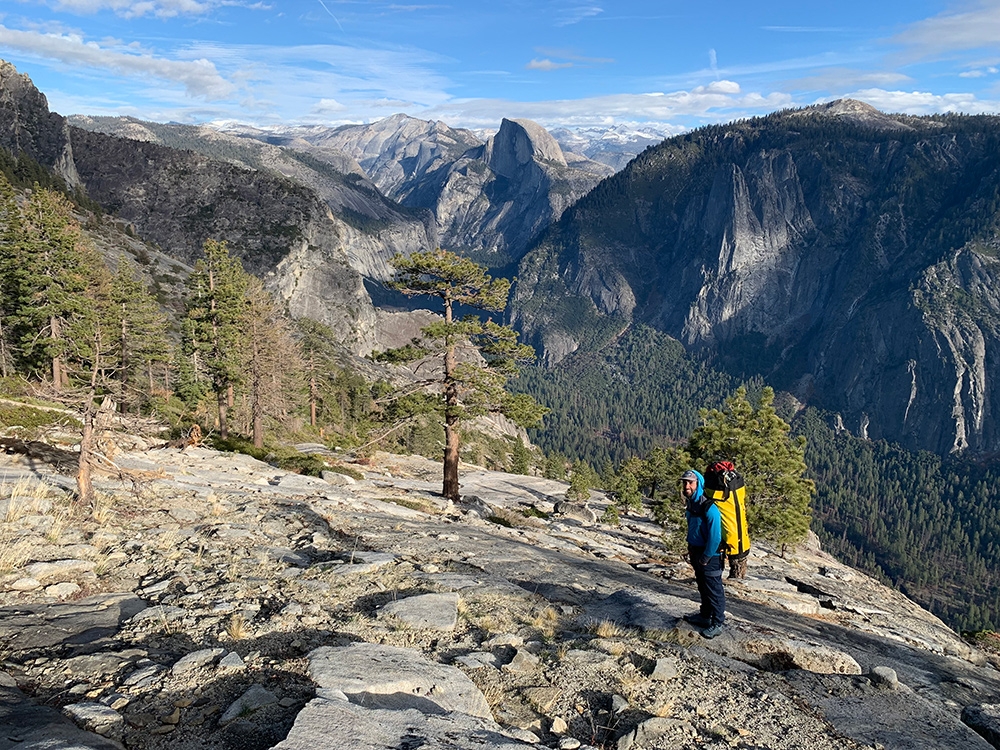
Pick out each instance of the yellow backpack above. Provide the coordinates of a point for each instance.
(725, 486)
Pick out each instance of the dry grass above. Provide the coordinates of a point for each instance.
(60, 515)
(546, 621)
(662, 709)
(494, 613)
(413, 504)
(607, 629)
(25, 497)
(236, 628)
(514, 520)
(13, 555)
(103, 509)
(104, 565)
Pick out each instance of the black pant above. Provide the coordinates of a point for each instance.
(708, 574)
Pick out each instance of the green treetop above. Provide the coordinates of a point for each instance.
(48, 276)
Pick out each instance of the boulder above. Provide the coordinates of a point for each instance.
(253, 699)
(425, 611)
(335, 723)
(98, 718)
(388, 677)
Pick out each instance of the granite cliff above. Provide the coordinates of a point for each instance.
(846, 255)
(490, 198)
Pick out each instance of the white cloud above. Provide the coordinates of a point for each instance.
(721, 87)
(327, 106)
(199, 77)
(836, 79)
(978, 72)
(572, 56)
(951, 32)
(707, 103)
(577, 13)
(924, 102)
(136, 8)
(546, 64)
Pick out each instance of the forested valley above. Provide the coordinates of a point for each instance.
(928, 525)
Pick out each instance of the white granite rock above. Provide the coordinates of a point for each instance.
(390, 677)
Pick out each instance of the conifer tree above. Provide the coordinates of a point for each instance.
(772, 463)
(274, 359)
(625, 485)
(468, 388)
(216, 309)
(48, 273)
(555, 466)
(10, 233)
(140, 337)
(520, 457)
(579, 482)
(657, 472)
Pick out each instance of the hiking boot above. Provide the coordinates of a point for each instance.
(713, 630)
(698, 620)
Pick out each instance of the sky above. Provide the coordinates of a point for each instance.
(573, 63)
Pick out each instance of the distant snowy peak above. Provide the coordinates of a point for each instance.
(616, 145)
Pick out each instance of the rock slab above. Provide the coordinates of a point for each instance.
(396, 678)
(426, 611)
(334, 723)
(984, 718)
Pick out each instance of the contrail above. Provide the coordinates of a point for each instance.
(331, 14)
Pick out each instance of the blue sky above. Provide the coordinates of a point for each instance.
(559, 62)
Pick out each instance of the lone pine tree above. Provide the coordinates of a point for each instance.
(477, 356)
(213, 329)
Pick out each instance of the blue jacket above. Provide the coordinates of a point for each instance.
(704, 521)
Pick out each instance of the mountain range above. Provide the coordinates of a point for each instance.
(846, 255)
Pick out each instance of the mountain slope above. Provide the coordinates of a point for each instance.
(490, 198)
(844, 254)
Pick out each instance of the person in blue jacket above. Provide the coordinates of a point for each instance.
(704, 538)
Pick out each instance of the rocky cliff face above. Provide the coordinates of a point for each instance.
(846, 255)
(371, 227)
(277, 228)
(27, 126)
(489, 199)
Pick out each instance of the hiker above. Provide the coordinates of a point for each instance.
(704, 538)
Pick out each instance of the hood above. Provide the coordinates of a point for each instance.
(696, 503)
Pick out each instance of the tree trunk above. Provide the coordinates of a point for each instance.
(123, 345)
(223, 401)
(450, 489)
(57, 380)
(84, 486)
(3, 352)
(257, 392)
(313, 392)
